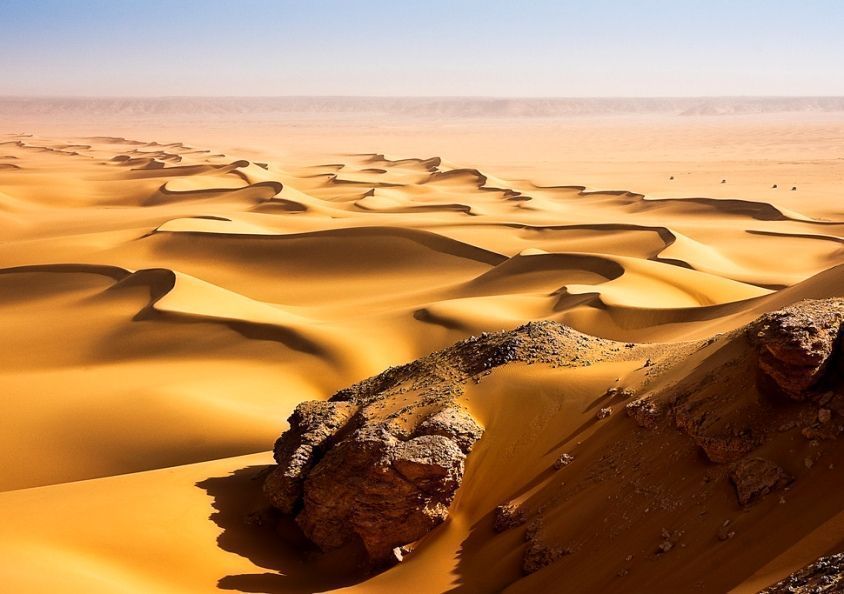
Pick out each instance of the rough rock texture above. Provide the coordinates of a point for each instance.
(312, 425)
(824, 576)
(725, 449)
(384, 491)
(795, 345)
(380, 462)
(756, 477)
(603, 413)
(538, 555)
(563, 460)
(780, 373)
(644, 411)
(508, 516)
(378, 465)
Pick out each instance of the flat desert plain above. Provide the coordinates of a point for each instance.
(176, 277)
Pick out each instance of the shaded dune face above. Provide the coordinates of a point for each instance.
(164, 308)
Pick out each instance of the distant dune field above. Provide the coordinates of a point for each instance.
(177, 274)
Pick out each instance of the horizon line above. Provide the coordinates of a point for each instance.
(474, 97)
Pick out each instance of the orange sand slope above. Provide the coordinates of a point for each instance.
(166, 306)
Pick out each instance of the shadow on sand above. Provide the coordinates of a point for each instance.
(269, 540)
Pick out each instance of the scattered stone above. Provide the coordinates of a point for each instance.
(563, 460)
(808, 462)
(539, 555)
(756, 477)
(725, 532)
(604, 412)
(508, 516)
(669, 540)
(644, 411)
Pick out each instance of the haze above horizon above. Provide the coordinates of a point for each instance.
(469, 48)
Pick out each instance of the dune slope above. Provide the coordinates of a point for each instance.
(165, 307)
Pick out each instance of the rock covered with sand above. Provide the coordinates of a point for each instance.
(380, 462)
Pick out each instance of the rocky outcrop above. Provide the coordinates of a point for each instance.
(824, 576)
(756, 477)
(312, 427)
(380, 462)
(378, 465)
(381, 490)
(795, 345)
(348, 478)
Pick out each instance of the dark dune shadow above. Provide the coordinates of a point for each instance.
(253, 530)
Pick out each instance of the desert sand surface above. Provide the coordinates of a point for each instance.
(175, 277)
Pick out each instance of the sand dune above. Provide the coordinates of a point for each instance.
(167, 304)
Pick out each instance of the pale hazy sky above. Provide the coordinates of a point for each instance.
(428, 47)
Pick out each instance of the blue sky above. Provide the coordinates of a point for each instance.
(431, 47)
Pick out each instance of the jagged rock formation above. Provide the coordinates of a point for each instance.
(380, 462)
(796, 344)
(824, 576)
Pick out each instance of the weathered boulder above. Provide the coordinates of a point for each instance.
(349, 478)
(312, 425)
(380, 490)
(795, 345)
(756, 477)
